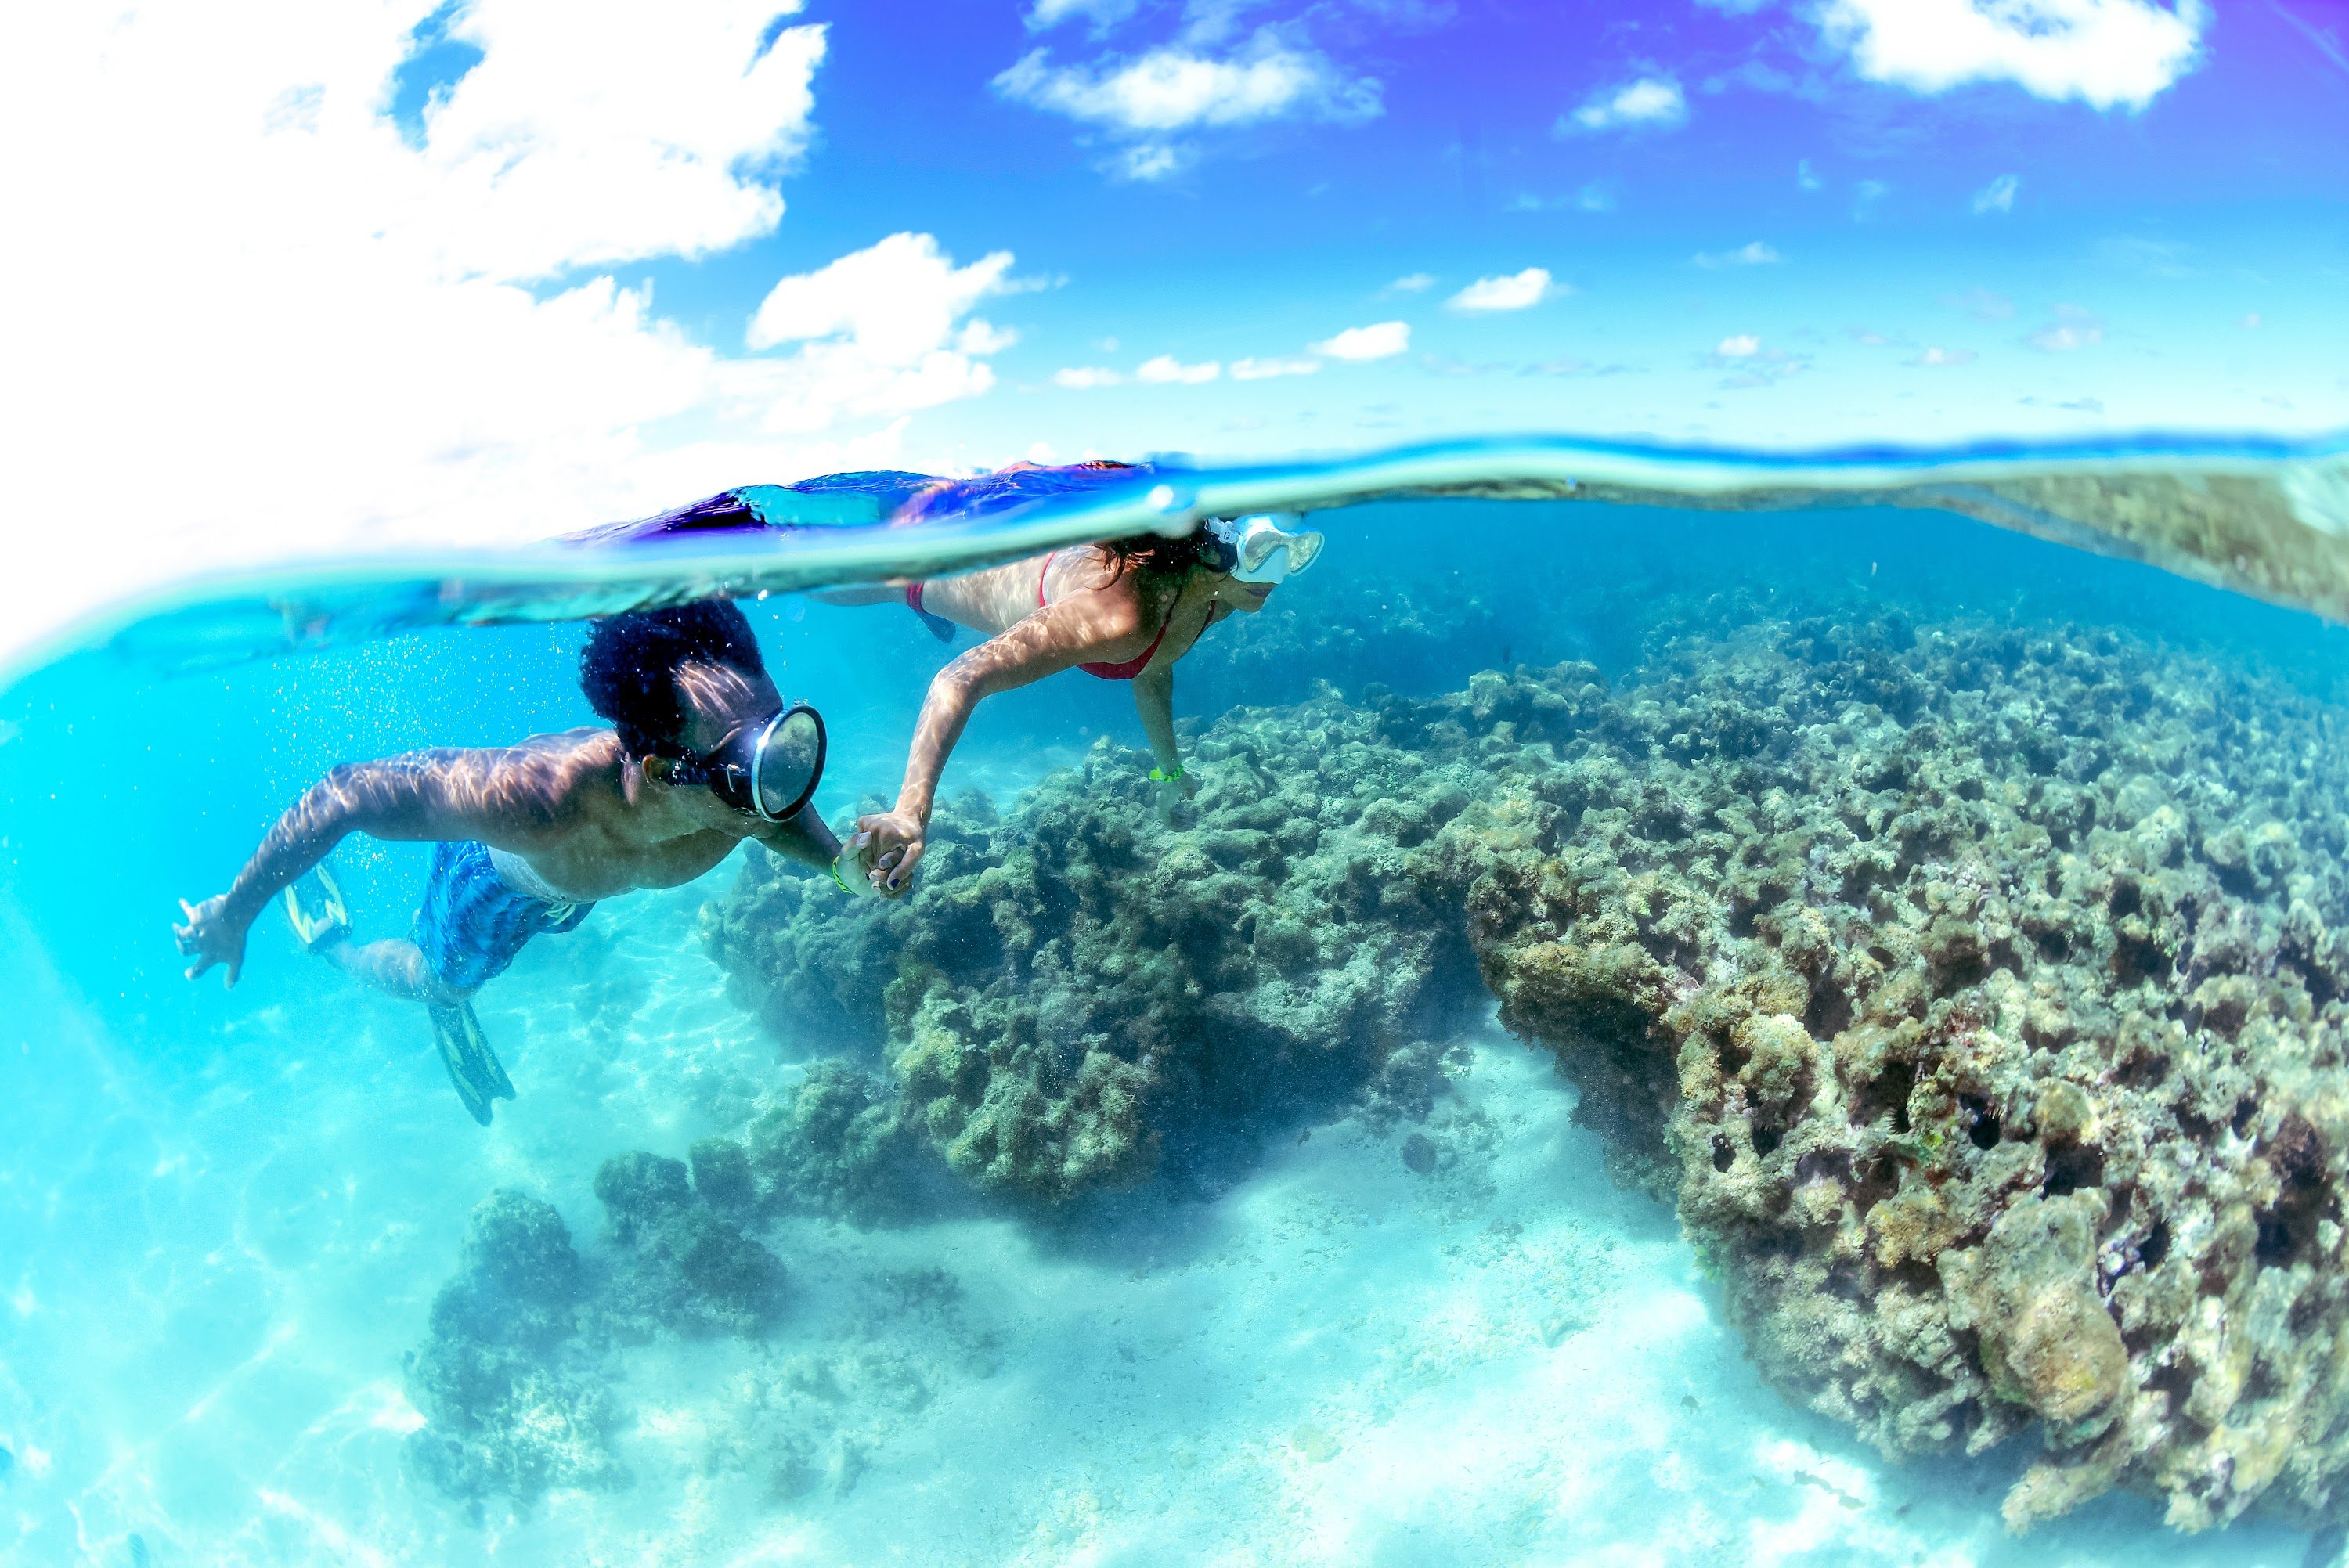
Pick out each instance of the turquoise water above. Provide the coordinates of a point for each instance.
(1352, 1322)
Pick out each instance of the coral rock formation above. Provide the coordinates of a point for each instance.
(509, 1406)
(513, 1380)
(1970, 992)
(1975, 994)
(1082, 999)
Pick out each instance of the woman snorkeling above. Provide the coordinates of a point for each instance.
(1125, 610)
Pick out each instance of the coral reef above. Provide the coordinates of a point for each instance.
(1975, 992)
(836, 1145)
(515, 1379)
(1086, 998)
(506, 1387)
(688, 1264)
(523, 1378)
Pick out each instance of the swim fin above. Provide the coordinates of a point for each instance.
(465, 1052)
(315, 908)
(940, 627)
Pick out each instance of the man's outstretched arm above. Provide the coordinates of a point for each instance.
(438, 794)
(805, 838)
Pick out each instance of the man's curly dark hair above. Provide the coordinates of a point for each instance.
(628, 667)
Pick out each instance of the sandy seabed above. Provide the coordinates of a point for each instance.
(210, 1280)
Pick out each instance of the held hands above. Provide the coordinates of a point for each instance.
(212, 935)
(888, 845)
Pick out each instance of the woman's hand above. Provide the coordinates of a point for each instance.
(888, 845)
(212, 935)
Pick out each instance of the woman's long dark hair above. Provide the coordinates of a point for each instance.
(1161, 556)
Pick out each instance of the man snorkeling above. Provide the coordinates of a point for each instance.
(702, 754)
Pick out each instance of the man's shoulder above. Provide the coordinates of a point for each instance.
(586, 750)
(563, 764)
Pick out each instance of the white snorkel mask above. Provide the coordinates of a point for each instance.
(1263, 548)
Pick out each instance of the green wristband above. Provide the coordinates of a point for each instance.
(1160, 775)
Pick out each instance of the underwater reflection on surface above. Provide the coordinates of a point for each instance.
(1932, 930)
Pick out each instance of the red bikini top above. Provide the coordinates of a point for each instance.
(1131, 667)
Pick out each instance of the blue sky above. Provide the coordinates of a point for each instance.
(2052, 251)
(318, 279)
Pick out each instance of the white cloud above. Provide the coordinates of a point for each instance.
(1264, 369)
(1751, 365)
(1932, 357)
(2106, 53)
(2072, 328)
(1998, 196)
(1513, 291)
(1148, 160)
(1413, 283)
(1086, 377)
(882, 333)
(1752, 255)
(1176, 88)
(2252, 322)
(1168, 371)
(573, 143)
(1106, 13)
(1806, 177)
(1649, 101)
(319, 336)
(1382, 340)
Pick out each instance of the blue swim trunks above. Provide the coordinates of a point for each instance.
(474, 921)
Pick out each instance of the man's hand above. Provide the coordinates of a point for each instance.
(212, 935)
(888, 845)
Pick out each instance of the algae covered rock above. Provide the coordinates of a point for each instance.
(2029, 1293)
(1086, 997)
(515, 1378)
(1935, 975)
(1976, 993)
(688, 1264)
(838, 1145)
(509, 1402)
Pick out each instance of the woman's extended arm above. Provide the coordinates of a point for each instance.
(1083, 626)
(1153, 700)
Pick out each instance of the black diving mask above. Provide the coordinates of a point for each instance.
(769, 767)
